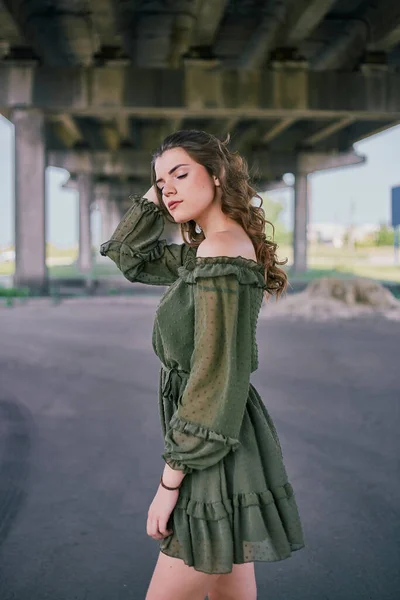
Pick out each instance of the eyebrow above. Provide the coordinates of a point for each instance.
(172, 170)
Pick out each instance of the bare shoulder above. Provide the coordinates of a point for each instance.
(226, 244)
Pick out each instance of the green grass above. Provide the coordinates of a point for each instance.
(14, 292)
(323, 261)
(389, 274)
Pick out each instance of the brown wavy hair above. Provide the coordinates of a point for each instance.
(237, 193)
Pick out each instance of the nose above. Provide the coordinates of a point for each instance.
(168, 189)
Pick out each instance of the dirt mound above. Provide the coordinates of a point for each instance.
(334, 298)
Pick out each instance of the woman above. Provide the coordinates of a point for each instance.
(224, 500)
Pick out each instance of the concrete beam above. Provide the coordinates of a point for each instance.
(103, 16)
(208, 18)
(198, 91)
(361, 133)
(146, 34)
(264, 37)
(133, 163)
(327, 131)
(344, 51)
(136, 163)
(181, 31)
(302, 18)
(111, 136)
(378, 29)
(59, 35)
(10, 33)
(384, 25)
(310, 162)
(277, 129)
(157, 34)
(66, 129)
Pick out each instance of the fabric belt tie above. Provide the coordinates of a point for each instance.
(172, 382)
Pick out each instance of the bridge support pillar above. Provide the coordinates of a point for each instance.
(307, 163)
(85, 189)
(301, 217)
(30, 222)
(115, 214)
(104, 206)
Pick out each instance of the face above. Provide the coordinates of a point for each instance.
(182, 179)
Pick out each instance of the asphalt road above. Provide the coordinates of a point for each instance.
(81, 445)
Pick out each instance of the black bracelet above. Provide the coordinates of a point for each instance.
(169, 488)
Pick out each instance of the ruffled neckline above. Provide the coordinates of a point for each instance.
(240, 261)
(247, 270)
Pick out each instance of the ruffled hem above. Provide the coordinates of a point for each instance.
(118, 248)
(246, 270)
(250, 527)
(124, 250)
(145, 204)
(213, 511)
(184, 426)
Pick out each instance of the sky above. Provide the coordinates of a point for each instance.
(359, 194)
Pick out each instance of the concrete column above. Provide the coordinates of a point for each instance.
(114, 214)
(30, 221)
(105, 232)
(85, 189)
(300, 223)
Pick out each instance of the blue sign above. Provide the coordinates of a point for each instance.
(396, 206)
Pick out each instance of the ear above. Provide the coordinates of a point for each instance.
(217, 180)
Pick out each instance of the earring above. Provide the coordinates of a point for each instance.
(198, 229)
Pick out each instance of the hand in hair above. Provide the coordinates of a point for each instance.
(151, 195)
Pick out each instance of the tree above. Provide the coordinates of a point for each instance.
(273, 210)
(384, 236)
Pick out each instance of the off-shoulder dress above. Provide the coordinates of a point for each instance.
(236, 504)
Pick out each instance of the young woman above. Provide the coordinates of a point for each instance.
(224, 500)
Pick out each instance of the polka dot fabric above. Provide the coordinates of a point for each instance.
(215, 396)
(236, 504)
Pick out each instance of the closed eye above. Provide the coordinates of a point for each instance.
(178, 177)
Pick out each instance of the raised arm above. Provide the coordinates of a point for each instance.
(136, 247)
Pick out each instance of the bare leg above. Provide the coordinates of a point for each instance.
(174, 580)
(238, 585)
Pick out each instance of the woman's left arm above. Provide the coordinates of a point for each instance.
(206, 424)
(163, 504)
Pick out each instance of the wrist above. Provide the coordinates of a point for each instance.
(172, 477)
(169, 488)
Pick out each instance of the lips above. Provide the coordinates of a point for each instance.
(173, 204)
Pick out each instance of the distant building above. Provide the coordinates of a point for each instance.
(335, 234)
(7, 256)
(327, 233)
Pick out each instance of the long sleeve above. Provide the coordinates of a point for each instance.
(136, 247)
(206, 424)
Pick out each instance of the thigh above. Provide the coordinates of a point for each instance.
(174, 580)
(240, 584)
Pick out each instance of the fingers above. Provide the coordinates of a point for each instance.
(157, 530)
(162, 528)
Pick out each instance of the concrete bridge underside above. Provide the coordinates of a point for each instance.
(94, 87)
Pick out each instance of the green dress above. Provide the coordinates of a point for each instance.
(236, 504)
